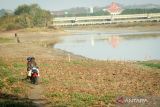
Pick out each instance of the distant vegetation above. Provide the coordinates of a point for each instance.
(141, 11)
(3, 12)
(152, 64)
(25, 16)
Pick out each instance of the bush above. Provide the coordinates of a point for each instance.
(12, 26)
(26, 16)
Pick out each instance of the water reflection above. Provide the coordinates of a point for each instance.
(114, 41)
(105, 46)
(92, 41)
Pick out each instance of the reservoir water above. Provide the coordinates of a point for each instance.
(121, 45)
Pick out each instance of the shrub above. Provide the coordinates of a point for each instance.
(13, 26)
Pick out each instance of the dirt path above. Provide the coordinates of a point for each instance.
(36, 96)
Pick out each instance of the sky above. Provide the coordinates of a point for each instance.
(53, 5)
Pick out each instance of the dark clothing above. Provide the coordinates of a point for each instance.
(30, 65)
(15, 35)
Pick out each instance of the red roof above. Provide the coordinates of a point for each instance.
(114, 8)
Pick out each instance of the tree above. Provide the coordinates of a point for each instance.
(35, 16)
(22, 9)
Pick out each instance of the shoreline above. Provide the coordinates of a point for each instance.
(46, 39)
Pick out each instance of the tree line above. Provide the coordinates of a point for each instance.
(141, 11)
(26, 16)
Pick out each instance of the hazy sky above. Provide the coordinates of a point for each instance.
(64, 4)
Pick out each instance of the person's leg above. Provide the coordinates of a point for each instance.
(38, 71)
(29, 73)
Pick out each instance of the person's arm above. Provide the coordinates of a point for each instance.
(28, 66)
(36, 65)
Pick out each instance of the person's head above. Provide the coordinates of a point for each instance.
(29, 58)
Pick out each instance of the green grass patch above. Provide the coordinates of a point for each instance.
(79, 99)
(152, 64)
(82, 99)
(58, 99)
(19, 65)
(4, 40)
(107, 98)
(57, 95)
(11, 80)
(4, 70)
(76, 99)
(17, 90)
(8, 77)
(45, 80)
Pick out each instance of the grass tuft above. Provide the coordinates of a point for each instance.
(4, 40)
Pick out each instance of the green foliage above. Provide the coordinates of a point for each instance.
(12, 26)
(33, 15)
(26, 16)
(140, 11)
(22, 9)
(151, 64)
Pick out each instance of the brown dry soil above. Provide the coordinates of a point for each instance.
(81, 82)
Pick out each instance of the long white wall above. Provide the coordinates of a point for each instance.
(60, 21)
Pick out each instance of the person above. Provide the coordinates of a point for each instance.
(17, 38)
(31, 63)
(15, 35)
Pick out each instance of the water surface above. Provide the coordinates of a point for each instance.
(121, 45)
